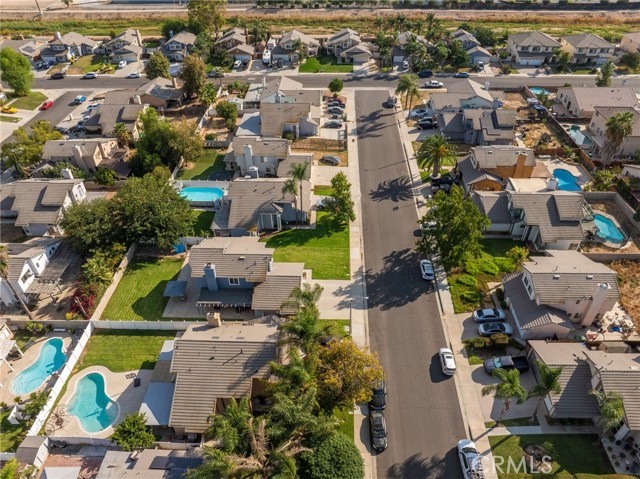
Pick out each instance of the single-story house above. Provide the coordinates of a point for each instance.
(463, 94)
(161, 93)
(480, 54)
(281, 90)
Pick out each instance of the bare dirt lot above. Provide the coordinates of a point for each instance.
(629, 284)
(534, 132)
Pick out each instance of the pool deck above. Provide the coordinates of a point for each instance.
(20, 364)
(118, 387)
(574, 168)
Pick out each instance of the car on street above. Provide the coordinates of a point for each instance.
(425, 73)
(447, 362)
(461, 75)
(46, 105)
(378, 431)
(58, 76)
(122, 64)
(134, 75)
(506, 362)
(331, 160)
(80, 99)
(333, 124)
(489, 329)
(237, 64)
(215, 74)
(379, 397)
(62, 130)
(391, 102)
(418, 112)
(426, 270)
(434, 84)
(335, 110)
(426, 123)
(486, 315)
(93, 106)
(339, 103)
(90, 76)
(470, 460)
(405, 65)
(9, 109)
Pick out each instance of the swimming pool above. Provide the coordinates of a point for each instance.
(607, 229)
(92, 406)
(201, 194)
(539, 91)
(566, 180)
(50, 359)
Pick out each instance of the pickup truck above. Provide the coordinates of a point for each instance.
(80, 99)
(506, 362)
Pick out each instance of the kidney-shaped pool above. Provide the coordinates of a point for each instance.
(92, 406)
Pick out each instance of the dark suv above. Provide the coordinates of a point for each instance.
(379, 398)
(58, 76)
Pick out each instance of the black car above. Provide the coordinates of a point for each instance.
(379, 398)
(378, 431)
(58, 76)
(425, 73)
(426, 124)
(333, 124)
(442, 180)
(335, 103)
(331, 160)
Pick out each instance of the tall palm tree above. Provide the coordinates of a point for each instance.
(307, 296)
(433, 152)
(295, 377)
(619, 126)
(433, 28)
(408, 85)
(258, 31)
(305, 331)
(4, 272)
(548, 383)
(298, 173)
(379, 23)
(290, 187)
(508, 389)
(122, 134)
(611, 409)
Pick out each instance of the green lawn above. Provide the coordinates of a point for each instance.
(322, 190)
(139, 294)
(122, 351)
(574, 455)
(324, 64)
(10, 119)
(202, 226)
(340, 326)
(347, 424)
(10, 435)
(30, 102)
(209, 163)
(89, 63)
(324, 249)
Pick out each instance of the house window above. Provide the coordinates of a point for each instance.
(234, 281)
(578, 302)
(26, 276)
(577, 315)
(535, 49)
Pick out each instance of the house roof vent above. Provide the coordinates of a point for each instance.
(589, 276)
(556, 276)
(241, 258)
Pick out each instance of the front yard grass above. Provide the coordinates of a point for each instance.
(9, 119)
(202, 227)
(325, 249)
(322, 190)
(324, 64)
(120, 350)
(340, 326)
(10, 435)
(30, 102)
(347, 422)
(87, 64)
(574, 455)
(209, 163)
(139, 294)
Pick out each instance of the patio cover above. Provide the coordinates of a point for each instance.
(225, 297)
(6, 345)
(175, 289)
(61, 472)
(157, 403)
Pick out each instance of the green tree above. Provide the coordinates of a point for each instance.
(631, 60)
(67, 3)
(89, 225)
(334, 456)
(227, 110)
(122, 134)
(105, 176)
(486, 36)
(611, 407)
(258, 31)
(564, 59)
(203, 46)
(193, 74)
(458, 56)
(207, 16)
(434, 152)
(15, 71)
(133, 433)
(4, 271)
(305, 331)
(97, 270)
(172, 27)
(619, 126)
(290, 187)
(299, 173)
(544, 99)
(340, 203)
(548, 383)
(433, 28)
(157, 65)
(440, 53)
(519, 254)
(336, 86)
(508, 389)
(10, 469)
(221, 57)
(25, 151)
(56, 170)
(208, 94)
(185, 140)
(605, 74)
(409, 87)
(459, 231)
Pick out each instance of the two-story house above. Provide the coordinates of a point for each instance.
(88, 154)
(293, 46)
(64, 48)
(38, 205)
(264, 157)
(118, 107)
(630, 42)
(587, 49)
(399, 53)
(467, 39)
(531, 48)
(580, 101)
(301, 119)
(348, 47)
(127, 46)
(479, 126)
(178, 46)
(462, 94)
(281, 89)
(234, 41)
(598, 128)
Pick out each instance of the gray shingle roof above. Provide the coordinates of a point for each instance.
(28, 450)
(64, 148)
(493, 204)
(294, 35)
(501, 155)
(261, 146)
(162, 88)
(19, 253)
(587, 98)
(471, 175)
(535, 38)
(276, 290)
(587, 40)
(344, 35)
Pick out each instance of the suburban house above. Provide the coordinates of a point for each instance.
(402, 38)
(598, 128)
(38, 205)
(215, 363)
(148, 463)
(64, 48)
(587, 49)
(287, 49)
(479, 127)
(234, 41)
(580, 102)
(631, 170)
(480, 54)
(531, 48)
(88, 154)
(253, 205)
(161, 93)
(467, 39)
(462, 94)
(281, 89)
(240, 273)
(118, 107)
(301, 119)
(630, 42)
(347, 47)
(127, 46)
(264, 157)
(32, 49)
(178, 46)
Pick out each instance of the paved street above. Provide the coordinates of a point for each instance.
(423, 413)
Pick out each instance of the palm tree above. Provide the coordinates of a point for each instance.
(508, 389)
(414, 50)
(290, 187)
(619, 126)
(307, 296)
(299, 48)
(122, 134)
(4, 272)
(611, 407)
(379, 23)
(548, 382)
(294, 377)
(208, 94)
(519, 254)
(408, 85)
(433, 152)
(433, 29)
(305, 331)
(258, 31)
(298, 173)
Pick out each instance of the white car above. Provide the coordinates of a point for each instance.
(122, 64)
(447, 362)
(134, 75)
(418, 113)
(470, 459)
(405, 65)
(237, 64)
(434, 84)
(426, 270)
(90, 76)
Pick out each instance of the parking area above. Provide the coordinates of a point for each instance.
(78, 114)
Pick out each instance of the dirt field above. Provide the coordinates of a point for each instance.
(320, 147)
(513, 101)
(534, 133)
(629, 284)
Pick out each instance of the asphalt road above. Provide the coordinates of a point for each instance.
(423, 412)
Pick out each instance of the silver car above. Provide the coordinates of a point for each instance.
(489, 329)
(447, 362)
(487, 315)
(426, 270)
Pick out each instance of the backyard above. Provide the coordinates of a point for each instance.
(209, 163)
(10, 436)
(324, 64)
(30, 102)
(325, 249)
(202, 226)
(139, 296)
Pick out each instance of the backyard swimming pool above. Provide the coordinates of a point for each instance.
(539, 91)
(201, 194)
(50, 359)
(566, 180)
(607, 229)
(92, 406)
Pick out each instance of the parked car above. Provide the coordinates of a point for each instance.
(58, 76)
(335, 102)
(9, 109)
(447, 362)
(426, 123)
(331, 160)
(336, 110)
(333, 124)
(134, 75)
(122, 64)
(489, 329)
(215, 74)
(76, 128)
(93, 106)
(506, 362)
(470, 460)
(486, 315)
(378, 431)
(321, 203)
(48, 64)
(379, 398)
(90, 76)
(405, 65)
(62, 130)
(40, 65)
(426, 270)
(418, 112)
(434, 84)
(237, 64)
(461, 75)
(80, 99)
(425, 73)
(46, 105)
(480, 66)
(266, 57)
(392, 101)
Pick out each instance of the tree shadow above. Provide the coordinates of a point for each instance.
(396, 190)
(417, 467)
(370, 125)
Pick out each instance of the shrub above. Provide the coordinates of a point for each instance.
(504, 305)
(289, 135)
(470, 297)
(211, 136)
(35, 328)
(105, 176)
(84, 298)
(230, 123)
(466, 280)
(500, 294)
(500, 339)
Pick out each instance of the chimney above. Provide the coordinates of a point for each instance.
(213, 320)
(270, 265)
(254, 172)
(174, 81)
(66, 172)
(170, 34)
(596, 306)
(78, 159)
(248, 157)
(58, 36)
(487, 85)
(210, 277)
(137, 100)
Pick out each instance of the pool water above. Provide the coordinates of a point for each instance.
(607, 229)
(566, 180)
(50, 359)
(538, 91)
(90, 404)
(201, 194)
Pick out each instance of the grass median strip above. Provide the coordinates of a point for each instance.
(10, 119)
(30, 102)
